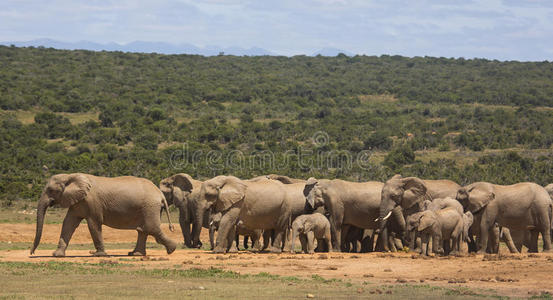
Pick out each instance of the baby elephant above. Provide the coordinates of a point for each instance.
(442, 225)
(310, 227)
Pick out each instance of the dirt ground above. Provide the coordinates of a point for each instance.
(519, 275)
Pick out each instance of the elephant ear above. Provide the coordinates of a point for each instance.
(178, 196)
(76, 189)
(426, 221)
(414, 191)
(396, 177)
(232, 191)
(183, 181)
(479, 199)
(309, 185)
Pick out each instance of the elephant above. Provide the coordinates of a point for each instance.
(442, 225)
(353, 203)
(120, 202)
(183, 191)
(409, 193)
(294, 189)
(515, 239)
(253, 234)
(309, 227)
(549, 189)
(260, 204)
(518, 207)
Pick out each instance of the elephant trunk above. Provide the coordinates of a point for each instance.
(386, 208)
(43, 204)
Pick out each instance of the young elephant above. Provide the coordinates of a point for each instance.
(310, 227)
(443, 224)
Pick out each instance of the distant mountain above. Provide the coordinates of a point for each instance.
(332, 52)
(144, 47)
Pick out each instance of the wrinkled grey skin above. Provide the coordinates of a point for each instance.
(409, 193)
(346, 203)
(257, 204)
(441, 225)
(309, 227)
(241, 230)
(183, 191)
(522, 206)
(121, 202)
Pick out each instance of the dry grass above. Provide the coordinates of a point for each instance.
(117, 279)
(28, 116)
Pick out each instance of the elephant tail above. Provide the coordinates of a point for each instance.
(166, 207)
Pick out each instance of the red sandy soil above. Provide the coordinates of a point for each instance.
(519, 275)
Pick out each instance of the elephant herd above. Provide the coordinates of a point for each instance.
(427, 216)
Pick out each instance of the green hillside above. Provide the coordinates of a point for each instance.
(358, 118)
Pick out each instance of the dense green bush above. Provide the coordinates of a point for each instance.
(151, 115)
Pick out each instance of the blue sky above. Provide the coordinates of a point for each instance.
(495, 29)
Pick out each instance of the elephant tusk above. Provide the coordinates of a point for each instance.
(210, 223)
(387, 216)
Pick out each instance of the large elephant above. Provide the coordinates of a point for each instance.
(353, 203)
(256, 204)
(121, 202)
(294, 190)
(518, 207)
(410, 193)
(183, 191)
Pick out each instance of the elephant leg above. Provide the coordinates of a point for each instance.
(424, 244)
(95, 229)
(185, 228)
(545, 229)
(303, 242)
(267, 236)
(486, 225)
(344, 243)
(398, 243)
(140, 248)
(310, 242)
(70, 223)
(246, 238)
(212, 237)
(226, 225)
(383, 237)
(161, 238)
(391, 242)
(256, 237)
(276, 247)
(532, 244)
(235, 241)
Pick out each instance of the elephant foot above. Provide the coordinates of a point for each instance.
(233, 250)
(99, 253)
(137, 253)
(219, 250)
(170, 247)
(275, 250)
(59, 253)
(548, 251)
(481, 251)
